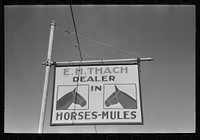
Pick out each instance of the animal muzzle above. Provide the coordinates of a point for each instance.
(107, 103)
(83, 104)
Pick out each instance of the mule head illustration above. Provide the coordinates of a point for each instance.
(121, 97)
(112, 99)
(71, 97)
(78, 99)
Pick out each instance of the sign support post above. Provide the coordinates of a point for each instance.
(47, 74)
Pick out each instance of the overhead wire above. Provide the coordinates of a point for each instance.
(76, 32)
(101, 43)
(76, 91)
(82, 50)
(87, 54)
(78, 46)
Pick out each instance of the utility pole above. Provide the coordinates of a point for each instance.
(48, 64)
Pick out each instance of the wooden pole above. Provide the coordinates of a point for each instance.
(46, 80)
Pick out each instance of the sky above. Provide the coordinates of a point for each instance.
(165, 33)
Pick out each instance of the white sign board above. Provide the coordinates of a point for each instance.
(101, 94)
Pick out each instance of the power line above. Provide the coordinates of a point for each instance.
(78, 46)
(101, 43)
(76, 33)
(80, 58)
(83, 51)
(87, 54)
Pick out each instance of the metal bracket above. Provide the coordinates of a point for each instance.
(138, 60)
(77, 46)
(48, 63)
(139, 69)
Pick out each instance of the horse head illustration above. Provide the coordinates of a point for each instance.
(121, 97)
(72, 97)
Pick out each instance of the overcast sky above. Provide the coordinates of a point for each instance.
(166, 33)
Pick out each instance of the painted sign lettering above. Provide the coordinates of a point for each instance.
(97, 95)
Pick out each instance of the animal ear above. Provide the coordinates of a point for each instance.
(74, 89)
(116, 88)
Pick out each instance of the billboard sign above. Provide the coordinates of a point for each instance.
(98, 94)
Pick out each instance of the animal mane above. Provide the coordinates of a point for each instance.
(129, 102)
(64, 102)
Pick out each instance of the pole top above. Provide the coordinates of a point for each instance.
(53, 23)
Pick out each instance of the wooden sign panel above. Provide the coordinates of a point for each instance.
(100, 94)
